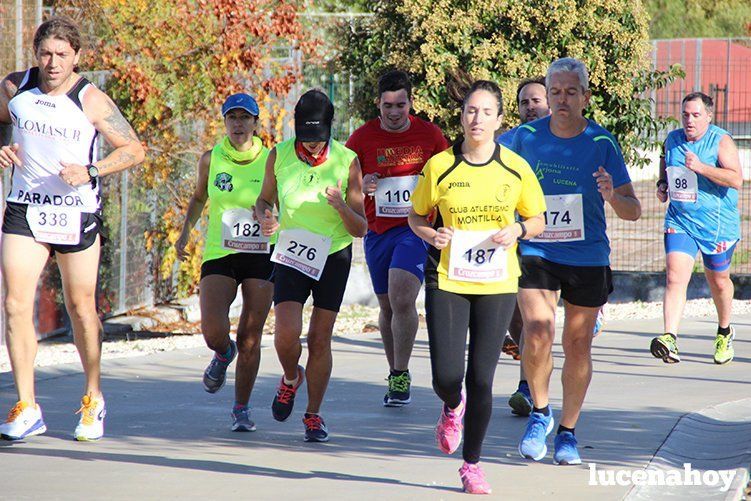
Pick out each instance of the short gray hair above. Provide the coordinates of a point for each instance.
(569, 64)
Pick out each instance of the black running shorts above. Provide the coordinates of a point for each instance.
(14, 223)
(240, 266)
(579, 285)
(328, 292)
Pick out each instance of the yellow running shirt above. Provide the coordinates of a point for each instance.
(471, 199)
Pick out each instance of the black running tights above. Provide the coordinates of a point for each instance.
(487, 317)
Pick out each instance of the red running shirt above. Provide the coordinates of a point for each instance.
(393, 154)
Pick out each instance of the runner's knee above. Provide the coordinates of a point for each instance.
(319, 344)
(720, 281)
(576, 346)
(446, 384)
(17, 308)
(537, 332)
(82, 308)
(402, 303)
(248, 344)
(677, 277)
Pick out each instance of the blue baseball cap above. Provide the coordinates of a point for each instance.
(241, 101)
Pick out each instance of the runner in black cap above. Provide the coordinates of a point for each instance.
(318, 185)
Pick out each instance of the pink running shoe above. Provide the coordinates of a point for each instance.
(473, 479)
(448, 431)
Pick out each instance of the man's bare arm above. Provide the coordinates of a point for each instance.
(8, 88)
(107, 119)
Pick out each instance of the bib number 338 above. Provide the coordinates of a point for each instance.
(474, 257)
(54, 225)
(302, 250)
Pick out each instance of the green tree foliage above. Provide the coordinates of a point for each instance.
(505, 41)
(699, 18)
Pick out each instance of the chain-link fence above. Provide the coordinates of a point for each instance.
(18, 20)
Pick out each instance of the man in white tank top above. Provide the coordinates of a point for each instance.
(53, 206)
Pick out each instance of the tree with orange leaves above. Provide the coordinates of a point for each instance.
(171, 64)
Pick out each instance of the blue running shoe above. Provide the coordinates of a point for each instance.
(315, 428)
(565, 449)
(532, 445)
(521, 401)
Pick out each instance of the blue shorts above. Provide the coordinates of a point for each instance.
(396, 248)
(682, 242)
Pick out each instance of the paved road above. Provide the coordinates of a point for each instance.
(166, 437)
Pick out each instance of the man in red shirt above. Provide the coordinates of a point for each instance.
(392, 150)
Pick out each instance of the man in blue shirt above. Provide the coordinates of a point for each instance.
(580, 167)
(700, 172)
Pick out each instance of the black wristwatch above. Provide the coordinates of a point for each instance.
(524, 230)
(93, 173)
(661, 182)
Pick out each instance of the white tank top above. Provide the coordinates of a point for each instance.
(50, 130)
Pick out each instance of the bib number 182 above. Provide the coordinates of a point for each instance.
(246, 230)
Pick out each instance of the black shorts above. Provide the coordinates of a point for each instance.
(240, 266)
(14, 223)
(579, 285)
(328, 292)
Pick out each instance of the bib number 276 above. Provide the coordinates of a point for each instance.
(302, 250)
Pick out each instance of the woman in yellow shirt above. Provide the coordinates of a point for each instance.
(472, 270)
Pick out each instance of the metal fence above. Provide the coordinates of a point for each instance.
(18, 20)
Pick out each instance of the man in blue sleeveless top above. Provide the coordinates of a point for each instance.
(700, 173)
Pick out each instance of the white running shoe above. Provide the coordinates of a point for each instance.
(91, 425)
(24, 420)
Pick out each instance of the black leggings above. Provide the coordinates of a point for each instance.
(448, 317)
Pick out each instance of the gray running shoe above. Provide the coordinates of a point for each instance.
(215, 374)
(241, 420)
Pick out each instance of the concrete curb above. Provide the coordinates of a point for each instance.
(715, 438)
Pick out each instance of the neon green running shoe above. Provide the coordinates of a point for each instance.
(666, 348)
(723, 348)
(398, 394)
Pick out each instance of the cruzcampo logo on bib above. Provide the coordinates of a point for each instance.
(223, 181)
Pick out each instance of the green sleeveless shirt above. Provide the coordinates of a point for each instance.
(231, 185)
(302, 192)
